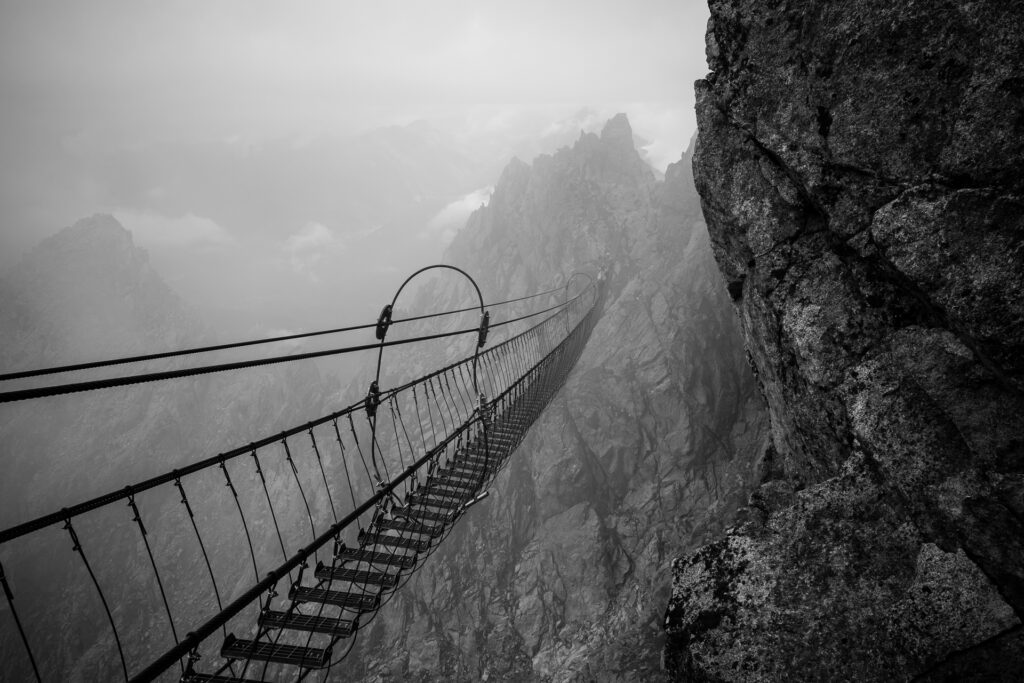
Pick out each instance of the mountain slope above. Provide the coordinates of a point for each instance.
(563, 571)
(89, 293)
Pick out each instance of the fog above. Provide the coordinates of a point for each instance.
(286, 165)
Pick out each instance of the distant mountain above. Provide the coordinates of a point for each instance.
(89, 293)
(563, 572)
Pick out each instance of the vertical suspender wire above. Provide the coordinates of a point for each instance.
(504, 370)
(383, 461)
(334, 556)
(450, 427)
(245, 525)
(495, 360)
(384, 321)
(419, 419)
(401, 420)
(465, 385)
(156, 572)
(437, 406)
(270, 504)
(17, 622)
(77, 547)
(497, 374)
(430, 416)
(248, 538)
(510, 363)
(359, 449)
(497, 379)
(398, 441)
(295, 471)
(488, 380)
(327, 487)
(521, 356)
(455, 402)
(202, 547)
(344, 463)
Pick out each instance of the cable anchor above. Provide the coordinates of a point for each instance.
(485, 324)
(372, 399)
(135, 511)
(383, 322)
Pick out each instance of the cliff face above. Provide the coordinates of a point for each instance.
(563, 572)
(860, 169)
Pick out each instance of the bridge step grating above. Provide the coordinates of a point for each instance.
(419, 545)
(355, 575)
(431, 530)
(346, 554)
(355, 601)
(307, 622)
(308, 657)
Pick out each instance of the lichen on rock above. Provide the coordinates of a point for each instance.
(860, 169)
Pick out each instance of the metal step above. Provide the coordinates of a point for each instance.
(478, 461)
(411, 527)
(355, 575)
(445, 491)
(308, 657)
(308, 622)
(419, 545)
(346, 554)
(424, 498)
(466, 469)
(354, 601)
(427, 515)
(450, 475)
(196, 677)
(452, 482)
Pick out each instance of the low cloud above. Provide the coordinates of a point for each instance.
(306, 248)
(152, 229)
(452, 218)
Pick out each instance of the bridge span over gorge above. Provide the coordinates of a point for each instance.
(284, 549)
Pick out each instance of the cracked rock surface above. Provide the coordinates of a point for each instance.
(861, 170)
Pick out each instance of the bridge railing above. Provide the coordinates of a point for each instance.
(150, 572)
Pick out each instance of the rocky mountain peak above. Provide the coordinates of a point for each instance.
(618, 132)
(563, 573)
(87, 291)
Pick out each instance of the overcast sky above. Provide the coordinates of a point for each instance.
(100, 96)
(141, 69)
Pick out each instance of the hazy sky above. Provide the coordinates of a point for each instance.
(140, 69)
(146, 108)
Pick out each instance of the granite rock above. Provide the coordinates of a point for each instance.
(859, 166)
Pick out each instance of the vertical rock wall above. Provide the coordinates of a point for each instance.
(861, 170)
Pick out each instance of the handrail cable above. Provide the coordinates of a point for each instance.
(91, 365)
(30, 526)
(199, 634)
(92, 385)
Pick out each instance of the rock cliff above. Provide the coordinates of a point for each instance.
(563, 572)
(860, 169)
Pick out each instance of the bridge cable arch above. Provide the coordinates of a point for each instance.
(463, 442)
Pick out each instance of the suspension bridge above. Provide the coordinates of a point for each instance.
(336, 514)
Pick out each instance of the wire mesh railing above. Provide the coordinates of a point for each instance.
(264, 562)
